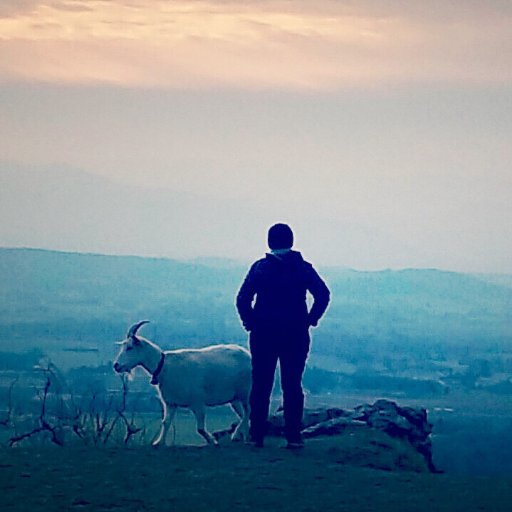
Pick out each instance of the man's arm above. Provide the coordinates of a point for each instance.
(244, 300)
(321, 296)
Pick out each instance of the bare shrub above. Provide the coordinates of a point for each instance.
(94, 418)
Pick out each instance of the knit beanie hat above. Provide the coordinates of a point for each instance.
(280, 236)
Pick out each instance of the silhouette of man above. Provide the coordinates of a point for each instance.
(279, 325)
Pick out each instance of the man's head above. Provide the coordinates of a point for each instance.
(280, 236)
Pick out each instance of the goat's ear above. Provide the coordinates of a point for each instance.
(119, 342)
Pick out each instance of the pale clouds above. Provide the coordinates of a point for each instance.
(262, 44)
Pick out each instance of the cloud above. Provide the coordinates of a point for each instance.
(15, 8)
(261, 44)
(9, 8)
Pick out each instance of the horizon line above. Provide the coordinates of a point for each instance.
(236, 262)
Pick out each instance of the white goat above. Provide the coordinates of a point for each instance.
(192, 378)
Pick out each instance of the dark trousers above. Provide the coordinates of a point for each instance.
(290, 347)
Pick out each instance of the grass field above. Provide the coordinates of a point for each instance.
(358, 471)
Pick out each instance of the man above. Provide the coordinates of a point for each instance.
(279, 329)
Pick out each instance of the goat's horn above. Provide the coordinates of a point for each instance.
(135, 327)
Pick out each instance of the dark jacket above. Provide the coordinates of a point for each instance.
(279, 283)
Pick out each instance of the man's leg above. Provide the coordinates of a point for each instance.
(292, 359)
(264, 362)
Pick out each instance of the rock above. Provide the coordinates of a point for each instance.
(331, 427)
(406, 423)
(311, 417)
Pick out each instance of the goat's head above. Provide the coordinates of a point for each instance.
(133, 351)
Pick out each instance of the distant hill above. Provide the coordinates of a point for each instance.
(90, 297)
(50, 297)
(71, 210)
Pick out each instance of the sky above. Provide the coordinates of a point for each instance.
(379, 129)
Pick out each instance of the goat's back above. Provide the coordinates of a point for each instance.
(212, 375)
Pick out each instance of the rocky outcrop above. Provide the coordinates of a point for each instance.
(408, 424)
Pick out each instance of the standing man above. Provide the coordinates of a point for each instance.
(279, 325)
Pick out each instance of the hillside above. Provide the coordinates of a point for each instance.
(436, 339)
(328, 475)
(414, 331)
(93, 298)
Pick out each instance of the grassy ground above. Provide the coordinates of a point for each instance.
(356, 471)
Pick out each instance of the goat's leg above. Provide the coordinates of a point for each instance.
(242, 429)
(199, 413)
(167, 419)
